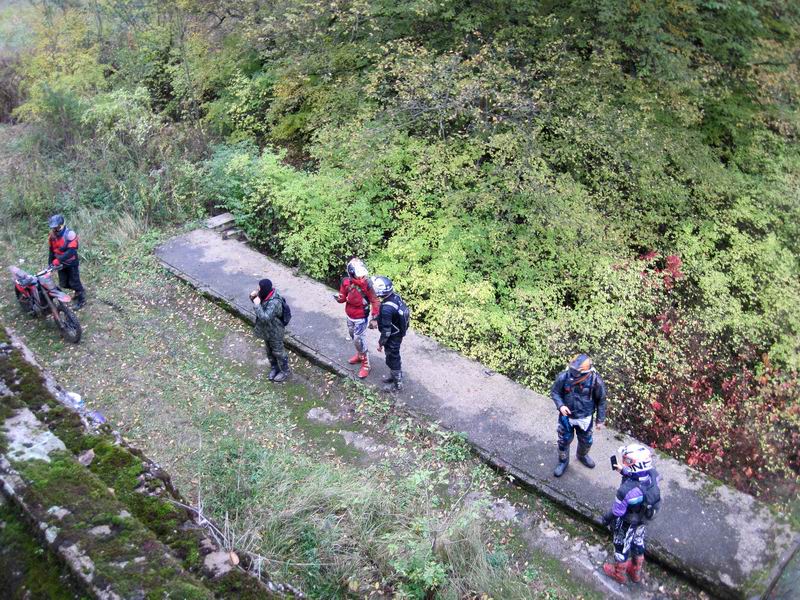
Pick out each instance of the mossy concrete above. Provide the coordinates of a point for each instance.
(27, 570)
(726, 541)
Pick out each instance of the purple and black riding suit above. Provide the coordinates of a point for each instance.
(629, 513)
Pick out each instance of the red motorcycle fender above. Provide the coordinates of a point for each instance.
(22, 290)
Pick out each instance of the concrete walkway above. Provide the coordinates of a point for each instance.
(726, 541)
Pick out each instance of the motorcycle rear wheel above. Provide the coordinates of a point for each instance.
(68, 324)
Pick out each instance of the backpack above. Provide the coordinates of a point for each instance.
(652, 501)
(286, 315)
(404, 312)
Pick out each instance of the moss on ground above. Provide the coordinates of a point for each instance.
(66, 483)
(27, 569)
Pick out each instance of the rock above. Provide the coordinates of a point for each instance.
(124, 514)
(321, 415)
(503, 510)
(75, 400)
(362, 442)
(50, 534)
(28, 438)
(87, 457)
(206, 546)
(217, 563)
(100, 530)
(58, 512)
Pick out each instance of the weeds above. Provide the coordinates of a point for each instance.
(355, 529)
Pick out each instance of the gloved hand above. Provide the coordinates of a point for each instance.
(608, 519)
(55, 262)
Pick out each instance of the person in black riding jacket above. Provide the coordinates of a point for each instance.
(579, 394)
(63, 246)
(393, 320)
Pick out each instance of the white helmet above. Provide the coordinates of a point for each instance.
(636, 458)
(356, 268)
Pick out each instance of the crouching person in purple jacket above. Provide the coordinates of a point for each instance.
(637, 502)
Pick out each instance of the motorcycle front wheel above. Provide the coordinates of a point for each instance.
(24, 303)
(68, 324)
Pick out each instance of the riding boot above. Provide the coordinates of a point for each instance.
(355, 359)
(563, 463)
(617, 571)
(80, 300)
(365, 366)
(635, 568)
(284, 372)
(583, 456)
(388, 378)
(274, 370)
(394, 383)
(398, 381)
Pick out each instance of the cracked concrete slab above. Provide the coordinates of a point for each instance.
(726, 541)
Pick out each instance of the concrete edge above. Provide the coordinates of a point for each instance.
(656, 552)
(777, 571)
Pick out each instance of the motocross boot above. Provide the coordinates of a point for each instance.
(635, 568)
(563, 463)
(617, 571)
(364, 370)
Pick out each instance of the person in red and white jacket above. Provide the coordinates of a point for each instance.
(361, 307)
(63, 253)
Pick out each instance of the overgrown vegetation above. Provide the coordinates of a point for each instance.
(537, 178)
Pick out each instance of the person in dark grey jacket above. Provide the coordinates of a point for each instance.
(579, 394)
(270, 328)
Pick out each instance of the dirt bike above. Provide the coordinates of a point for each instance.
(38, 295)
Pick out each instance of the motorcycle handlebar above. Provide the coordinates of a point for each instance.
(49, 269)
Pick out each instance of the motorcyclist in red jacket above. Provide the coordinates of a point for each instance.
(63, 245)
(361, 307)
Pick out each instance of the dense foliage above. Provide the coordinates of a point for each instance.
(538, 178)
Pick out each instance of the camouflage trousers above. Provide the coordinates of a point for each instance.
(276, 352)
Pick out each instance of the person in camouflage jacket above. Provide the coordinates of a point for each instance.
(269, 327)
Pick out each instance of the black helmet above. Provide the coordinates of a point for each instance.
(55, 221)
(383, 286)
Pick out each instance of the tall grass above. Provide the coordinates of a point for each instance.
(339, 530)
